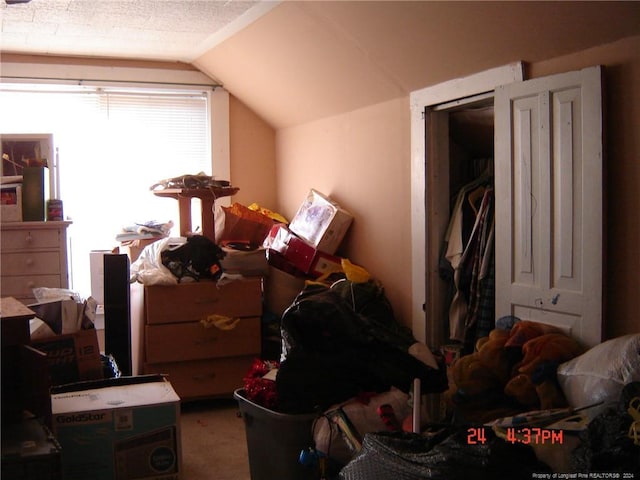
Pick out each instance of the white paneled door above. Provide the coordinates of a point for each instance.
(548, 177)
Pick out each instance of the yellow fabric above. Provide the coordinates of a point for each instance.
(220, 322)
(265, 211)
(355, 273)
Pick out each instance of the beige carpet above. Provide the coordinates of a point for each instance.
(214, 444)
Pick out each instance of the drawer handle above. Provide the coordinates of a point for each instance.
(204, 376)
(203, 301)
(205, 341)
(31, 284)
(29, 261)
(28, 238)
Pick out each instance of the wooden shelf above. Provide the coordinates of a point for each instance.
(207, 197)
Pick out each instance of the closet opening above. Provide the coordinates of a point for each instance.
(462, 304)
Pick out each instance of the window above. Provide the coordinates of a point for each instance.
(112, 144)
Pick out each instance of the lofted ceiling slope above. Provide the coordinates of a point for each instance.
(293, 62)
(308, 60)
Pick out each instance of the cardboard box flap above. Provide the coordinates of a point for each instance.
(114, 394)
(107, 382)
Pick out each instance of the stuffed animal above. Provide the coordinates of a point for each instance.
(484, 370)
(519, 363)
(549, 347)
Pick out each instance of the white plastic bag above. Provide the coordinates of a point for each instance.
(599, 374)
(148, 269)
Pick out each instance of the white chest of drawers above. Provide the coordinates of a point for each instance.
(33, 254)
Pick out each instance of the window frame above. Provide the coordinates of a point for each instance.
(136, 77)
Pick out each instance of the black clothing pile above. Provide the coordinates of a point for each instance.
(341, 341)
(199, 258)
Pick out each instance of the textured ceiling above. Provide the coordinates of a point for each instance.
(179, 30)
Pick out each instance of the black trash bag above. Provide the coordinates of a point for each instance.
(325, 319)
(446, 456)
(605, 445)
(199, 258)
(368, 299)
(331, 353)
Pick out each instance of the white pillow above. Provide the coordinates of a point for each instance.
(600, 374)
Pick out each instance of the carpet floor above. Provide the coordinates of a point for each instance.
(214, 443)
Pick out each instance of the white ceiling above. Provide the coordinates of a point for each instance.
(168, 30)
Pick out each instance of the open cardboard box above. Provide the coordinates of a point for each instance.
(62, 331)
(72, 357)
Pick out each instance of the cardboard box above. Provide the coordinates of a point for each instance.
(11, 203)
(323, 263)
(29, 451)
(281, 289)
(14, 322)
(21, 368)
(295, 250)
(72, 357)
(124, 428)
(321, 222)
(300, 253)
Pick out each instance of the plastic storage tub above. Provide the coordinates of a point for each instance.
(275, 440)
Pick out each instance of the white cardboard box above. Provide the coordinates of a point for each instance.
(321, 222)
(122, 428)
(11, 204)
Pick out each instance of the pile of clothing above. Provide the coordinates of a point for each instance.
(341, 340)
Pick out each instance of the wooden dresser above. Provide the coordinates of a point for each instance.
(34, 254)
(181, 338)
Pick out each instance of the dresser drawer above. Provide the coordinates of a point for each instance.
(194, 301)
(191, 341)
(32, 263)
(204, 378)
(30, 239)
(21, 286)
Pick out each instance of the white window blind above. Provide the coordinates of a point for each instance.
(113, 144)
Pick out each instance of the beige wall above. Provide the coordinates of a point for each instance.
(252, 153)
(362, 159)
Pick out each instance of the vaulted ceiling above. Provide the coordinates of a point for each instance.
(296, 61)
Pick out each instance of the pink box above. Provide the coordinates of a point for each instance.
(321, 222)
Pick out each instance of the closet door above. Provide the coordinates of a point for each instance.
(548, 177)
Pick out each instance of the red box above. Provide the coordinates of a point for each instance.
(300, 253)
(323, 263)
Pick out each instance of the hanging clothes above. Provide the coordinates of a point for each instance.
(468, 251)
(479, 318)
